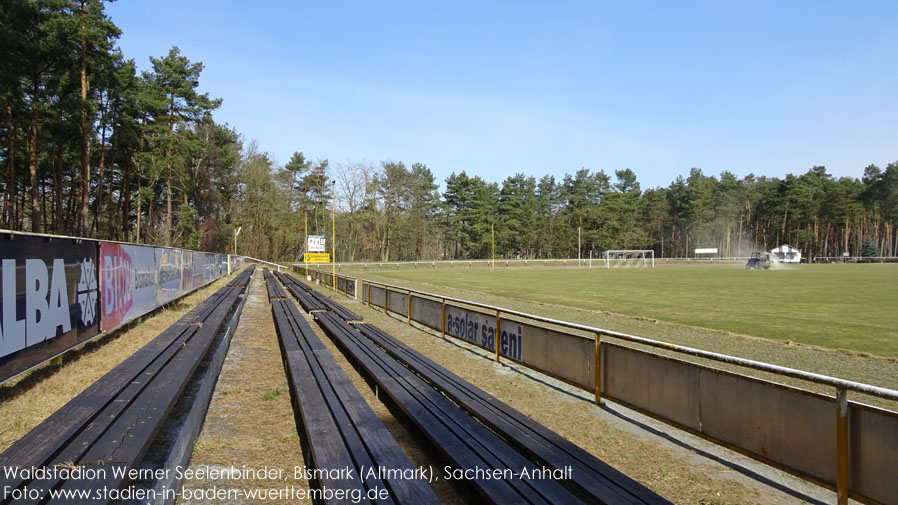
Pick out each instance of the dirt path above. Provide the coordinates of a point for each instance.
(250, 424)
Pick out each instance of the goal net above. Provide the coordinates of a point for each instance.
(630, 258)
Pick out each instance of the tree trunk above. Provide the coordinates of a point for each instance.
(10, 167)
(126, 200)
(99, 220)
(72, 207)
(847, 231)
(171, 140)
(32, 157)
(43, 191)
(85, 136)
(138, 207)
(58, 207)
(139, 175)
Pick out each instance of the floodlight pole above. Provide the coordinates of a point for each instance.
(236, 232)
(305, 254)
(578, 241)
(334, 234)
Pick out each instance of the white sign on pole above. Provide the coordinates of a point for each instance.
(316, 244)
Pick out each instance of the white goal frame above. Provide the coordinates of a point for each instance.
(643, 254)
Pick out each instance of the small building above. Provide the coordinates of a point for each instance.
(786, 254)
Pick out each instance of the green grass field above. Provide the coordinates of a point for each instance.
(851, 307)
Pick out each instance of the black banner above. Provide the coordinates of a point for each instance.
(48, 298)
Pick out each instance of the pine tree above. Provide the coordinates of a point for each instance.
(869, 249)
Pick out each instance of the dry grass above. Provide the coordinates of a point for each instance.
(28, 400)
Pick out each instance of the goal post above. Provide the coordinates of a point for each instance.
(630, 258)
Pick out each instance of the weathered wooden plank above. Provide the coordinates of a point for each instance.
(343, 312)
(438, 417)
(589, 474)
(314, 371)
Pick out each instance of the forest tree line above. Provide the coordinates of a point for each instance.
(94, 148)
(389, 212)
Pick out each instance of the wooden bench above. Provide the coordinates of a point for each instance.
(114, 421)
(275, 291)
(344, 313)
(496, 470)
(590, 476)
(323, 300)
(286, 279)
(301, 292)
(339, 430)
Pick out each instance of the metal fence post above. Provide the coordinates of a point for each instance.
(597, 368)
(444, 319)
(498, 333)
(409, 311)
(842, 446)
(386, 300)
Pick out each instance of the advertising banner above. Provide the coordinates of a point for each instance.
(234, 263)
(317, 258)
(316, 244)
(211, 271)
(222, 260)
(127, 283)
(199, 270)
(186, 272)
(168, 275)
(480, 329)
(48, 300)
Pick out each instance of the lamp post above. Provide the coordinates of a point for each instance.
(334, 233)
(236, 232)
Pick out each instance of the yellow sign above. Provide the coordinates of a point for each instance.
(317, 258)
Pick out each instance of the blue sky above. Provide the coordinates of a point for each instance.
(497, 88)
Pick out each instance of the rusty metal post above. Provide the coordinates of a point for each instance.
(386, 300)
(842, 446)
(498, 333)
(444, 319)
(597, 368)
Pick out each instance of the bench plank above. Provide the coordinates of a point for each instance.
(334, 416)
(589, 474)
(474, 446)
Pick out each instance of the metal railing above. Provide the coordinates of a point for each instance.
(257, 260)
(888, 394)
(342, 283)
(841, 259)
(841, 386)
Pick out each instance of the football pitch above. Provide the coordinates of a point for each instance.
(842, 306)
